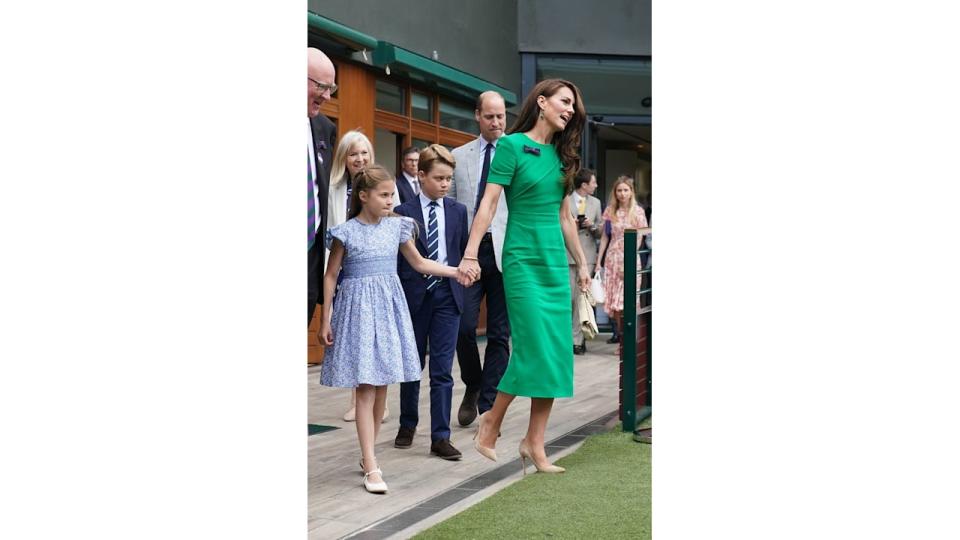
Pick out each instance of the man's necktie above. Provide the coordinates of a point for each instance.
(311, 209)
(582, 206)
(483, 176)
(433, 242)
(416, 187)
(349, 191)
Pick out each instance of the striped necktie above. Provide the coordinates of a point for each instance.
(311, 208)
(433, 242)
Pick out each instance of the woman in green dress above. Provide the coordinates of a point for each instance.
(535, 165)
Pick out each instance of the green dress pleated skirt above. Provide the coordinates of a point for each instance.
(535, 269)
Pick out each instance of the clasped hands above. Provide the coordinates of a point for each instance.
(468, 272)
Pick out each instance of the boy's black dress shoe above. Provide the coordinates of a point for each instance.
(445, 450)
(404, 437)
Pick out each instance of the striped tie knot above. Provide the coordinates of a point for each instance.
(433, 242)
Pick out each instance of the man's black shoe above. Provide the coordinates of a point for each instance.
(404, 437)
(468, 408)
(578, 349)
(445, 450)
(614, 339)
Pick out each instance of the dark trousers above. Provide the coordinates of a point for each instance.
(314, 276)
(436, 322)
(485, 378)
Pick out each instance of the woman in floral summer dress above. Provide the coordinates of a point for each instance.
(622, 212)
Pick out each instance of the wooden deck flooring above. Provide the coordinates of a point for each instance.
(338, 505)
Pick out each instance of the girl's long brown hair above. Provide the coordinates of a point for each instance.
(369, 179)
(566, 142)
(366, 180)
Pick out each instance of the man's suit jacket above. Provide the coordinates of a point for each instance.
(404, 189)
(324, 133)
(588, 240)
(466, 179)
(456, 232)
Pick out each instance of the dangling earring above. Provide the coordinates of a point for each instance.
(541, 114)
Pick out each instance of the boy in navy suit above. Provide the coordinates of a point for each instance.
(435, 303)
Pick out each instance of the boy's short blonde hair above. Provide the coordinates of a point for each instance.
(435, 153)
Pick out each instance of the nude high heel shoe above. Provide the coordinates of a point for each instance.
(488, 453)
(525, 455)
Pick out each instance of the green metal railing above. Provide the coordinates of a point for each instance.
(634, 409)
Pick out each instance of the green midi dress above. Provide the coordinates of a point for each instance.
(535, 271)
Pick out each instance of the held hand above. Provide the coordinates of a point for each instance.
(583, 279)
(587, 223)
(469, 269)
(326, 334)
(464, 279)
(467, 278)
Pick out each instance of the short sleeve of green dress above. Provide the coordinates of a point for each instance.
(535, 271)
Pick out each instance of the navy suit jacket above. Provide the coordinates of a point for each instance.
(403, 187)
(324, 134)
(415, 283)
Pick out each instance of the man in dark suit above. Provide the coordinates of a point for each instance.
(408, 185)
(435, 303)
(469, 181)
(320, 86)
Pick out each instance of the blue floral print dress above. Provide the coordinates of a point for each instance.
(373, 340)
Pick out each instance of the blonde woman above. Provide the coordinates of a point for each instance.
(622, 212)
(353, 154)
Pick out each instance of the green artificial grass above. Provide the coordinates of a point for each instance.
(605, 493)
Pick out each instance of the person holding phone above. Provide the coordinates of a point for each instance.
(586, 208)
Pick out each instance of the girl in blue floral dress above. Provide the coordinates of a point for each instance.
(368, 332)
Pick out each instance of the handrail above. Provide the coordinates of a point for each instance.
(629, 332)
(628, 338)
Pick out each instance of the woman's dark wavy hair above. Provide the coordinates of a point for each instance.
(567, 142)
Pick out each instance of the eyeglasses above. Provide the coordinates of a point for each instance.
(321, 87)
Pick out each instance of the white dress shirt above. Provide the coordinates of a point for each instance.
(414, 182)
(493, 152)
(441, 226)
(313, 173)
(576, 202)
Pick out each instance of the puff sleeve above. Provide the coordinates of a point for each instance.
(408, 229)
(337, 232)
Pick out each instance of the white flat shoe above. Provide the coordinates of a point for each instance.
(350, 415)
(386, 414)
(374, 487)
